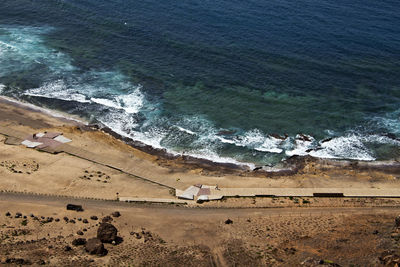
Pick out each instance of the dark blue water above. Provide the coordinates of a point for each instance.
(215, 78)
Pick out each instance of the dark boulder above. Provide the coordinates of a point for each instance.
(116, 214)
(107, 233)
(229, 221)
(85, 221)
(94, 218)
(107, 219)
(79, 232)
(74, 207)
(18, 261)
(95, 247)
(79, 241)
(397, 221)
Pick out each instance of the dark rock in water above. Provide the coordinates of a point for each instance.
(229, 221)
(303, 137)
(74, 207)
(116, 214)
(257, 169)
(390, 135)
(107, 219)
(226, 132)
(326, 140)
(277, 136)
(79, 232)
(94, 218)
(107, 233)
(95, 247)
(79, 242)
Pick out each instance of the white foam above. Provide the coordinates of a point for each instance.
(185, 130)
(213, 156)
(131, 103)
(344, 147)
(301, 146)
(57, 90)
(224, 140)
(270, 145)
(255, 139)
(2, 87)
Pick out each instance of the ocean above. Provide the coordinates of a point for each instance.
(247, 82)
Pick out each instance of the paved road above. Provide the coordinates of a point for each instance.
(53, 201)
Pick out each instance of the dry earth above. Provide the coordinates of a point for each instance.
(178, 236)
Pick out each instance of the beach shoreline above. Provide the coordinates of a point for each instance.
(289, 166)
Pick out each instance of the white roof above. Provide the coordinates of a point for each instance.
(30, 144)
(189, 193)
(62, 139)
(203, 197)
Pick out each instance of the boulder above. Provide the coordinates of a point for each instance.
(94, 218)
(79, 232)
(116, 214)
(229, 221)
(74, 207)
(79, 241)
(107, 219)
(107, 233)
(95, 247)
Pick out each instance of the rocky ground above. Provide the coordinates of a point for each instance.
(49, 234)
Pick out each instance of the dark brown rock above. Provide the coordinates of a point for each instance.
(107, 219)
(74, 207)
(229, 221)
(107, 233)
(116, 214)
(79, 241)
(95, 247)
